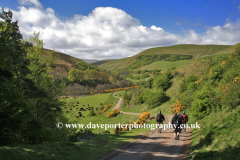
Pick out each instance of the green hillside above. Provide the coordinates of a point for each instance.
(229, 50)
(63, 63)
(164, 65)
(102, 61)
(195, 51)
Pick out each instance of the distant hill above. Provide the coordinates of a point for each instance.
(64, 63)
(90, 61)
(102, 61)
(195, 51)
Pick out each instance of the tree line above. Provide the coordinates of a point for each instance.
(28, 109)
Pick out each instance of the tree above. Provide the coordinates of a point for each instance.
(76, 75)
(15, 88)
(28, 109)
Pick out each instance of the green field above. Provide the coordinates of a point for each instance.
(164, 65)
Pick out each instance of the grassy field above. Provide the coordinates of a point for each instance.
(93, 100)
(164, 65)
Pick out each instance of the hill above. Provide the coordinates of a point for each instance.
(102, 61)
(169, 53)
(229, 50)
(63, 63)
(90, 61)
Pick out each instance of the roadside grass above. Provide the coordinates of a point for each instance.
(92, 149)
(120, 94)
(164, 65)
(218, 137)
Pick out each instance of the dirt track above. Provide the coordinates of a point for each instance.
(155, 146)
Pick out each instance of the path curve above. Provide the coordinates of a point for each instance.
(119, 101)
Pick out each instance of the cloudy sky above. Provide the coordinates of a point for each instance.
(111, 29)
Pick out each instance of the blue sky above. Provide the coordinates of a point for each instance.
(101, 29)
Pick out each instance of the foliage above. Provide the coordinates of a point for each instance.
(141, 121)
(127, 97)
(163, 81)
(156, 98)
(114, 113)
(84, 66)
(143, 60)
(105, 108)
(231, 94)
(76, 74)
(92, 113)
(28, 106)
(177, 107)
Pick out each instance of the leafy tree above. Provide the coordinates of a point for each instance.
(76, 74)
(28, 109)
(15, 88)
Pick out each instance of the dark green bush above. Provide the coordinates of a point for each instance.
(156, 99)
(92, 113)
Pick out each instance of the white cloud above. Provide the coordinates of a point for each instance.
(156, 28)
(108, 32)
(36, 3)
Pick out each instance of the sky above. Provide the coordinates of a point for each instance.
(114, 29)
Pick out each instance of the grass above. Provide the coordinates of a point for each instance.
(218, 137)
(92, 100)
(91, 149)
(164, 65)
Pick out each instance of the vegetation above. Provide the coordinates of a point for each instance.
(143, 60)
(196, 51)
(28, 108)
(208, 89)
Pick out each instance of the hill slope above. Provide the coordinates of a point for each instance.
(63, 63)
(187, 49)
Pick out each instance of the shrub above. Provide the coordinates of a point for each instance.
(114, 113)
(163, 82)
(177, 107)
(92, 113)
(231, 95)
(127, 97)
(156, 99)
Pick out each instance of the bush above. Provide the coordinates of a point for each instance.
(156, 99)
(143, 96)
(216, 73)
(127, 97)
(231, 95)
(92, 113)
(188, 84)
(163, 82)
